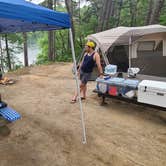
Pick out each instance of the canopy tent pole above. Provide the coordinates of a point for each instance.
(78, 87)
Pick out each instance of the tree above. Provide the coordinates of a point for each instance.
(11, 45)
(100, 15)
(133, 12)
(156, 12)
(7, 52)
(50, 37)
(1, 57)
(119, 12)
(108, 14)
(69, 7)
(25, 49)
(149, 13)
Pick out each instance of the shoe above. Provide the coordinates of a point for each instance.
(73, 101)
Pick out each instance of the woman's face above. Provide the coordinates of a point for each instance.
(87, 48)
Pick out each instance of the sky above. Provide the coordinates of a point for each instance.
(39, 1)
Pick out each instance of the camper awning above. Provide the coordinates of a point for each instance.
(23, 16)
(122, 35)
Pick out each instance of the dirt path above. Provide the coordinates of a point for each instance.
(49, 133)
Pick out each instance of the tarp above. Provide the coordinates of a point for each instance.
(23, 16)
(121, 35)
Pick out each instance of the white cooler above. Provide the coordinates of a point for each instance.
(152, 92)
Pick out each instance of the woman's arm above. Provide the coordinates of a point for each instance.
(81, 64)
(98, 62)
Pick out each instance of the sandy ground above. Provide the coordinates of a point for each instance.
(49, 133)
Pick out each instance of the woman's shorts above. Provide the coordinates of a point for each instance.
(84, 77)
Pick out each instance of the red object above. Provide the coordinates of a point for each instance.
(113, 90)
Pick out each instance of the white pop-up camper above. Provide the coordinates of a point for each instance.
(143, 47)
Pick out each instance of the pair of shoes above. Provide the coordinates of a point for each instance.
(73, 101)
(83, 98)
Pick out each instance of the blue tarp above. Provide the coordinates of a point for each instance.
(23, 16)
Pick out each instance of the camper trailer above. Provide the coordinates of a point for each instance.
(140, 49)
(143, 47)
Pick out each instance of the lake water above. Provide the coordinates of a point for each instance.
(33, 51)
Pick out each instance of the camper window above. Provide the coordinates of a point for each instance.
(146, 45)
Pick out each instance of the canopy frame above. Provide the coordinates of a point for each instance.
(52, 25)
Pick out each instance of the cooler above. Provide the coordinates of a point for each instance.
(152, 92)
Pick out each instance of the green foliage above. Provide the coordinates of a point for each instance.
(163, 15)
(43, 43)
(86, 22)
(15, 47)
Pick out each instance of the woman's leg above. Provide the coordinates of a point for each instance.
(82, 86)
(84, 91)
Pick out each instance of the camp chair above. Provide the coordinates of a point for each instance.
(8, 113)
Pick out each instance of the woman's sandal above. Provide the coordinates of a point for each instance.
(83, 98)
(73, 101)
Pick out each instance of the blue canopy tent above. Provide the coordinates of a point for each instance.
(23, 16)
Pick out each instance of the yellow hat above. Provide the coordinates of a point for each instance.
(90, 44)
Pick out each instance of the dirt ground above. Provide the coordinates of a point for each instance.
(50, 134)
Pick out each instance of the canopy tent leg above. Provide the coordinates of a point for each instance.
(78, 87)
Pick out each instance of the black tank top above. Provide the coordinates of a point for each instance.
(88, 63)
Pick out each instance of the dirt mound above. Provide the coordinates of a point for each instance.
(49, 133)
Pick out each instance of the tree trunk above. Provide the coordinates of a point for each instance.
(50, 36)
(2, 69)
(69, 7)
(119, 13)
(108, 13)
(7, 53)
(133, 12)
(54, 35)
(25, 49)
(102, 16)
(156, 13)
(150, 10)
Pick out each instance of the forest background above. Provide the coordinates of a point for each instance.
(87, 17)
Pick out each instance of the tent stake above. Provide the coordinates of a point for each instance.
(78, 87)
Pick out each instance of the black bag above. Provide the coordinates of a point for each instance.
(3, 104)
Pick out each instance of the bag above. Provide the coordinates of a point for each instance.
(3, 104)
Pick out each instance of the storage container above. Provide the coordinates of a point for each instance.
(152, 92)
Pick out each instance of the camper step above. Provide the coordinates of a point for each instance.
(9, 114)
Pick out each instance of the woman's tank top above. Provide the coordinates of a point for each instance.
(88, 63)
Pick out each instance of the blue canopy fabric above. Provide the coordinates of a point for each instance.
(23, 16)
